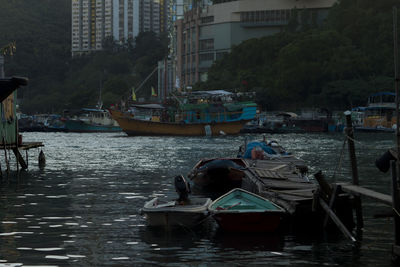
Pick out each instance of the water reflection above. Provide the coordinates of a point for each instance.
(83, 208)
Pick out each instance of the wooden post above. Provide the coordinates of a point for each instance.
(396, 166)
(26, 157)
(396, 209)
(354, 171)
(20, 159)
(325, 187)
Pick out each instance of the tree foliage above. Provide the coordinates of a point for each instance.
(336, 65)
(42, 32)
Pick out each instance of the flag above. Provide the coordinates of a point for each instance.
(133, 94)
(153, 93)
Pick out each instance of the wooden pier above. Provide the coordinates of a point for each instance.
(284, 181)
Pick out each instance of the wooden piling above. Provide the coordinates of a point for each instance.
(20, 159)
(354, 170)
(325, 187)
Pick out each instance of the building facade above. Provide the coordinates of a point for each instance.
(206, 34)
(95, 20)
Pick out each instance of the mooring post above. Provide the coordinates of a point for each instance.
(354, 170)
(396, 211)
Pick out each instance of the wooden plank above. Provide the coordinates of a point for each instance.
(23, 146)
(358, 190)
(282, 184)
(269, 174)
(334, 195)
(279, 167)
(306, 193)
(336, 220)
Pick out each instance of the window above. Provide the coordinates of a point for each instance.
(207, 44)
(206, 57)
(208, 19)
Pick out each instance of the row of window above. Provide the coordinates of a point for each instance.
(265, 15)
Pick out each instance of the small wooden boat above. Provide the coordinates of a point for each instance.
(218, 174)
(242, 211)
(173, 213)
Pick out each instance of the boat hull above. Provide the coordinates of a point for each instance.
(243, 211)
(82, 127)
(135, 127)
(176, 215)
(248, 221)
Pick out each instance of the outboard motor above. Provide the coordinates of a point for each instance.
(182, 187)
(383, 163)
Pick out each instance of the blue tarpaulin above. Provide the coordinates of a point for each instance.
(250, 146)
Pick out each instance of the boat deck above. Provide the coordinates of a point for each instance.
(280, 180)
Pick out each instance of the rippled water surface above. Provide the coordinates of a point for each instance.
(83, 209)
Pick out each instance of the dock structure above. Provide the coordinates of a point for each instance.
(283, 180)
(280, 180)
(10, 139)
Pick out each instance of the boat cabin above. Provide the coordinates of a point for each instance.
(380, 112)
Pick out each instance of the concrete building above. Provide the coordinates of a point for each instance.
(95, 20)
(206, 34)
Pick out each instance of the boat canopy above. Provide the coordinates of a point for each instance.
(149, 106)
(287, 114)
(265, 148)
(213, 93)
(93, 110)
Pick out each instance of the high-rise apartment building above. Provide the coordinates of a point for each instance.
(95, 20)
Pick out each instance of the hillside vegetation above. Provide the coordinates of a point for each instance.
(335, 66)
(42, 32)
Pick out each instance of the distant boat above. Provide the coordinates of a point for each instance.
(200, 117)
(242, 211)
(92, 120)
(174, 214)
(380, 113)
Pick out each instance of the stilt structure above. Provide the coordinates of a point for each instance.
(10, 138)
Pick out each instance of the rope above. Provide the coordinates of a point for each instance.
(340, 160)
(398, 214)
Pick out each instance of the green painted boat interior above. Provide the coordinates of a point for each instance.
(241, 201)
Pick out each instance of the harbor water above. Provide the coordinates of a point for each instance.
(83, 208)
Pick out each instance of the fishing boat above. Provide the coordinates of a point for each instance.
(242, 211)
(91, 120)
(380, 113)
(218, 174)
(180, 212)
(208, 113)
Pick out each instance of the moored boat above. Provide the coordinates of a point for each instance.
(380, 113)
(242, 211)
(208, 113)
(218, 174)
(173, 213)
(92, 120)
